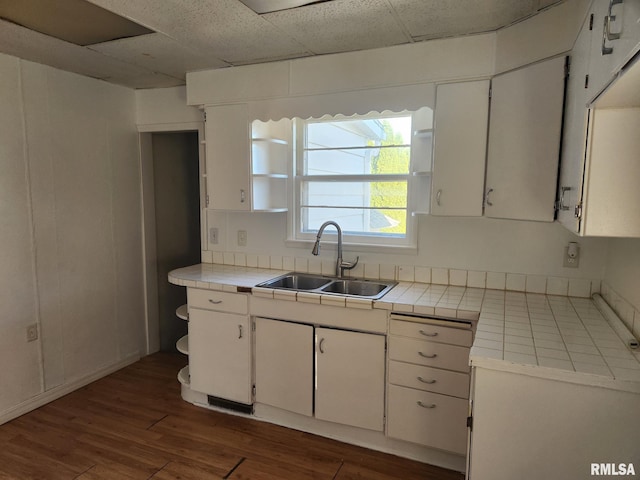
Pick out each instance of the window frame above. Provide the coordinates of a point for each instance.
(368, 241)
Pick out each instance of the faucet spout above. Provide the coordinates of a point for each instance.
(341, 265)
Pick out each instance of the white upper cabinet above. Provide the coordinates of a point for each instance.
(227, 157)
(600, 147)
(461, 118)
(524, 141)
(247, 164)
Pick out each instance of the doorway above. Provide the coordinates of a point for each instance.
(171, 198)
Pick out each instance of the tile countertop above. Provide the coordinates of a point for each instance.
(562, 338)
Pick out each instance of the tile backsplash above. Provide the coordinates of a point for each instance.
(552, 285)
(629, 314)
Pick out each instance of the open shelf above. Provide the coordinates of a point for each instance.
(183, 345)
(183, 376)
(182, 312)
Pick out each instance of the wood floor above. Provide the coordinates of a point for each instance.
(133, 424)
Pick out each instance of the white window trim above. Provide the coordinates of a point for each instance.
(363, 243)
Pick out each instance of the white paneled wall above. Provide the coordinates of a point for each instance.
(70, 248)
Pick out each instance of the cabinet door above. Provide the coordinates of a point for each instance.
(284, 365)
(228, 161)
(461, 117)
(220, 354)
(524, 142)
(350, 373)
(611, 194)
(575, 130)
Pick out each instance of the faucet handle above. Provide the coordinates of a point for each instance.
(349, 265)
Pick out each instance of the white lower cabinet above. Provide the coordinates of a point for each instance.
(350, 378)
(428, 394)
(220, 346)
(348, 368)
(284, 365)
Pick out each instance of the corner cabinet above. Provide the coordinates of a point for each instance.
(247, 164)
(524, 141)
(461, 119)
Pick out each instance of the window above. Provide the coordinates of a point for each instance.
(357, 172)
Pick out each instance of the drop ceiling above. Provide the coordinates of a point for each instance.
(153, 43)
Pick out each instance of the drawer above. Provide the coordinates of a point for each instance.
(431, 354)
(429, 379)
(219, 301)
(434, 333)
(429, 419)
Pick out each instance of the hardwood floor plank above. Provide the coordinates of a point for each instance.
(182, 471)
(133, 425)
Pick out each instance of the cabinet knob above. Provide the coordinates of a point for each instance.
(320, 345)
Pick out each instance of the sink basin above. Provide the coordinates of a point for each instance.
(326, 285)
(296, 281)
(355, 287)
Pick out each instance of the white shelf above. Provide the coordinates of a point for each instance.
(183, 376)
(270, 175)
(423, 132)
(182, 312)
(277, 141)
(421, 173)
(183, 345)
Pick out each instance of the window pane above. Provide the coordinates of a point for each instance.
(358, 221)
(360, 161)
(355, 194)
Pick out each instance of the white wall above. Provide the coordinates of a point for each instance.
(70, 247)
(621, 286)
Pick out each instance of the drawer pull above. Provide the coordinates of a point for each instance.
(424, 355)
(215, 302)
(429, 382)
(420, 404)
(426, 334)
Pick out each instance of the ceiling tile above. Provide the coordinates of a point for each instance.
(37, 47)
(226, 29)
(444, 18)
(158, 53)
(341, 25)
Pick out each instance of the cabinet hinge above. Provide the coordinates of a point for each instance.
(470, 423)
(490, 91)
(205, 115)
(591, 22)
(253, 329)
(253, 391)
(578, 211)
(567, 66)
(586, 81)
(207, 200)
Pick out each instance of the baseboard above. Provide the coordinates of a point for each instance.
(62, 390)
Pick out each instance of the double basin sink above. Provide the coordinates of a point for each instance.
(303, 282)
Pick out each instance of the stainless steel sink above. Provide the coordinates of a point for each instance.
(296, 281)
(329, 285)
(356, 287)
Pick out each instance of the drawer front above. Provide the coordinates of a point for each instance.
(431, 354)
(429, 419)
(429, 379)
(219, 301)
(433, 333)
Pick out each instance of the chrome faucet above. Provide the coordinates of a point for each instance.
(341, 265)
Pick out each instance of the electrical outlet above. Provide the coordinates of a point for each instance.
(573, 260)
(213, 235)
(32, 333)
(242, 238)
